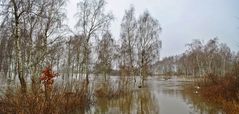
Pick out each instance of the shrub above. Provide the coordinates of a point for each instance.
(222, 90)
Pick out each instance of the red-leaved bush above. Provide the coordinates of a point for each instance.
(47, 77)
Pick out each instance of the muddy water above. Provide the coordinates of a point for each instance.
(158, 97)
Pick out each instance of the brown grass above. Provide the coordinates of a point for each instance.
(223, 91)
(61, 101)
(74, 97)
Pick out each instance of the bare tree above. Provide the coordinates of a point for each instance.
(128, 42)
(210, 58)
(105, 54)
(167, 65)
(226, 55)
(196, 57)
(31, 23)
(14, 10)
(91, 19)
(148, 42)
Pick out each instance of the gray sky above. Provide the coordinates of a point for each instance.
(181, 20)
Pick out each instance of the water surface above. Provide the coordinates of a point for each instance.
(159, 96)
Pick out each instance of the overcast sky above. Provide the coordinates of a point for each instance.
(181, 20)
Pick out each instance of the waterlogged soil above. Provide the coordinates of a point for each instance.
(158, 96)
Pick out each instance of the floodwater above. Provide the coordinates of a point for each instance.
(159, 96)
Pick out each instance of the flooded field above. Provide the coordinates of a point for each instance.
(159, 96)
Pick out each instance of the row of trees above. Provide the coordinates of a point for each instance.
(33, 35)
(136, 50)
(202, 58)
(29, 32)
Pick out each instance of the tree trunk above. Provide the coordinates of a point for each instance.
(86, 63)
(19, 60)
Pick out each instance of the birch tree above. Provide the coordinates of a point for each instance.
(105, 54)
(12, 12)
(148, 43)
(128, 42)
(29, 24)
(91, 19)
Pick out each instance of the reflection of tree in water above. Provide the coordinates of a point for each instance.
(171, 92)
(146, 103)
(140, 101)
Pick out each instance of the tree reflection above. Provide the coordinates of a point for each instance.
(139, 101)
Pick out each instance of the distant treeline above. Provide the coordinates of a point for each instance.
(200, 59)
